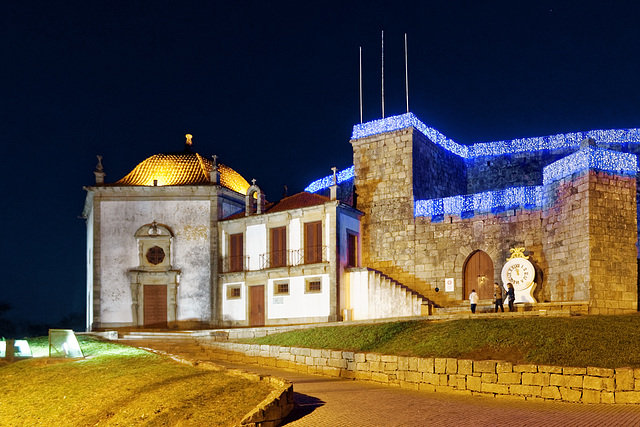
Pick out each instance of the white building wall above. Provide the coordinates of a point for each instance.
(234, 309)
(298, 303)
(295, 234)
(189, 221)
(256, 244)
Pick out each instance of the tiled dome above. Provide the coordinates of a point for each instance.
(184, 168)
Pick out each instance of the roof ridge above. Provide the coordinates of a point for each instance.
(203, 167)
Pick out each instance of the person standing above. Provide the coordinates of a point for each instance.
(473, 299)
(497, 296)
(511, 294)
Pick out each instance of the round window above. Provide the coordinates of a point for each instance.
(155, 255)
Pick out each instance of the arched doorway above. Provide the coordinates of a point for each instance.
(478, 275)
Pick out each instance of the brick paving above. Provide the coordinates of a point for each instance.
(327, 401)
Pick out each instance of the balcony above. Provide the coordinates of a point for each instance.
(277, 259)
(234, 264)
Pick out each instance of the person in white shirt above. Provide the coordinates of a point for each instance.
(473, 299)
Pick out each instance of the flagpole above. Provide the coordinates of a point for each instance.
(383, 74)
(406, 71)
(360, 84)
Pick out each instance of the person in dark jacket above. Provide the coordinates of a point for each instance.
(511, 294)
(497, 296)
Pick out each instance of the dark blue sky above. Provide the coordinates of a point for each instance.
(271, 87)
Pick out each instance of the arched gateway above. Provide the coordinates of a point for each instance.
(478, 275)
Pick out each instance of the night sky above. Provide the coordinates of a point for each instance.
(271, 87)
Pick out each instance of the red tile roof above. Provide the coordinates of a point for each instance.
(297, 201)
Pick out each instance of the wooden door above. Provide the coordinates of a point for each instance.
(313, 242)
(236, 252)
(256, 305)
(478, 275)
(352, 249)
(278, 247)
(155, 306)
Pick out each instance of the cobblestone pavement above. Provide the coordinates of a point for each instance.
(325, 401)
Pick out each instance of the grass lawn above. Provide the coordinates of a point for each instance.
(121, 386)
(601, 341)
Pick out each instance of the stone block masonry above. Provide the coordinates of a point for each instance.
(448, 375)
(581, 236)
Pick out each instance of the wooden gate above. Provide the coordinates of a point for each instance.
(155, 306)
(478, 275)
(256, 305)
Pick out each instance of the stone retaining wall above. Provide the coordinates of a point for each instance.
(488, 377)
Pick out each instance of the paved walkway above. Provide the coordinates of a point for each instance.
(325, 401)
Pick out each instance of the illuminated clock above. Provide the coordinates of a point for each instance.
(520, 272)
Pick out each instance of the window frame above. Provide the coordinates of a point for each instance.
(230, 292)
(276, 288)
(307, 285)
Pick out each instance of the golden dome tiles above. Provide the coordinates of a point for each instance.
(182, 169)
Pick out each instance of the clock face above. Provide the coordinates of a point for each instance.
(519, 272)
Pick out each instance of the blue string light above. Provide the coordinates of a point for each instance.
(497, 148)
(591, 158)
(488, 201)
(327, 181)
(513, 197)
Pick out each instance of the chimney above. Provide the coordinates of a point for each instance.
(333, 190)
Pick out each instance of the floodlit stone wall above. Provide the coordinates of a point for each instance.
(581, 241)
(449, 375)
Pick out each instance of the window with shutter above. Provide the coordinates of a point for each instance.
(352, 249)
(236, 252)
(278, 247)
(313, 242)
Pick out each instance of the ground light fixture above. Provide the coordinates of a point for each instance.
(64, 344)
(15, 349)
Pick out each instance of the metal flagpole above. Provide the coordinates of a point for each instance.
(360, 84)
(406, 71)
(383, 74)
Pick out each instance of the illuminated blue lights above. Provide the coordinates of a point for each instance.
(514, 197)
(488, 201)
(591, 158)
(404, 121)
(529, 197)
(327, 181)
(497, 148)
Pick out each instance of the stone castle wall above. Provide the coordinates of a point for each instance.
(574, 242)
(613, 235)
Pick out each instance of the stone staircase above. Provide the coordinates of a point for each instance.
(420, 287)
(374, 295)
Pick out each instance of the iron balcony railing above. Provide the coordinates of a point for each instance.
(313, 255)
(234, 264)
(274, 259)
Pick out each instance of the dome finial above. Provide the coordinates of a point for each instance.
(189, 142)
